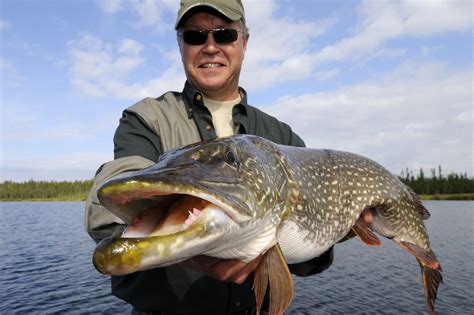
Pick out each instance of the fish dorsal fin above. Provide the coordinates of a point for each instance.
(273, 271)
(419, 205)
(362, 230)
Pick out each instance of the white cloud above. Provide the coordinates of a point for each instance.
(9, 75)
(130, 47)
(278, 49)
(4, 24)
(421, 18)
(466, 117)
(382, 21)
(75, 166)
(149, 13)
(110, 6)
(327, 75)
(416, 115)
(101, 69)
(428, 50)
(29, 124)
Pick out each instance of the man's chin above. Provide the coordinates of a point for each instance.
(213, 87)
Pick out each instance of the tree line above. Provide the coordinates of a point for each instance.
(436, 183)
(65, 190)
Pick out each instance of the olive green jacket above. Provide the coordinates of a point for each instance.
(146, 130)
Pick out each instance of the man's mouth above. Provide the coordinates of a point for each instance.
(211, 65)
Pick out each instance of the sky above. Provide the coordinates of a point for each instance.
(390, 80)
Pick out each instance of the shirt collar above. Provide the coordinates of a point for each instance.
(193, 100)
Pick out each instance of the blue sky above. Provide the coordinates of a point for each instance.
(391, 80)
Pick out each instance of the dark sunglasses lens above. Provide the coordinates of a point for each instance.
(194, 37)
(225, 36)
(199, 37)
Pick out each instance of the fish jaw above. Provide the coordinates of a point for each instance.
(118, 196)
(119, 256)
(221, 229)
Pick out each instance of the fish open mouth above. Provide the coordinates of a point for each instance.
(164, 226)
(177, 214)
(155, 209)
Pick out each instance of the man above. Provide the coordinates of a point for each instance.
(212, 38)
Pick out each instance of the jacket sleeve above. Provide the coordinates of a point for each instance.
(136, 147)
(99, 222)
(135, 137)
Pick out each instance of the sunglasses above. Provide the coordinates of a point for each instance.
(199, 37)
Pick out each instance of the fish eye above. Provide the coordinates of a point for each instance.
(231, 159)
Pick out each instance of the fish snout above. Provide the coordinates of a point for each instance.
(114, 256)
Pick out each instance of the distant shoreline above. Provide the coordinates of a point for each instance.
(44, 199)
(467, 196)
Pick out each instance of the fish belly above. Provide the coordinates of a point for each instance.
(299, 245)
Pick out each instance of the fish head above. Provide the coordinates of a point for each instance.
(195, 195)
(238, 173)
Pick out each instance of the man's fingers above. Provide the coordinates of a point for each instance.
(242, 274)
(227, 269)
(231, 270)
(206, 261)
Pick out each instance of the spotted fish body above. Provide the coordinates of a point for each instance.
(335, 187)
(243, 196)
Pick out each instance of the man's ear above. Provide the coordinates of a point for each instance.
(180, 47)
(245, 41)
(178, 39)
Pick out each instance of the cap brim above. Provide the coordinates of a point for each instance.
(227, 13)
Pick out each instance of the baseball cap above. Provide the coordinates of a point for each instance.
(231, 9)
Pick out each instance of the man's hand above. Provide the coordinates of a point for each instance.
(229, 270)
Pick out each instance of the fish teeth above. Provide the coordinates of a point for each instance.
(191, 218)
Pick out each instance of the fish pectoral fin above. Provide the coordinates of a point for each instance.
(273, 271)
(260, 283)
(431, 279)
(362, 230)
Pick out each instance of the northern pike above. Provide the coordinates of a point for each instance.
(243, 196)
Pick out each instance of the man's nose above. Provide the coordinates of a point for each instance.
(210, 46)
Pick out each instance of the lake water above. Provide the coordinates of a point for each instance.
(45, 267)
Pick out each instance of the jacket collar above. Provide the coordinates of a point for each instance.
(193, 100)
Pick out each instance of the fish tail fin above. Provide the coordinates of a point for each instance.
(431, 279)
(273, 271)
(426, 257)
(430, 271)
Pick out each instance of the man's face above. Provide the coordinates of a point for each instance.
(213, 68)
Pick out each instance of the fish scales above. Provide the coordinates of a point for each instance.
(378, 189)
(255, 197)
